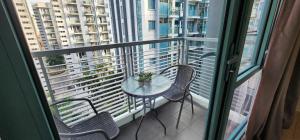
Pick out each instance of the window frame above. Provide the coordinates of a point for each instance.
(153, 25)
(151, 5)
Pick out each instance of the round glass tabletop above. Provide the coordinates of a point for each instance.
(155, 87)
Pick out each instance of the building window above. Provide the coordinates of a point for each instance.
(152, 60)
(152, 46)
(151, 25)
(151, 4)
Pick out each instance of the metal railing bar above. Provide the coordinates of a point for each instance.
(90, 70)
(98, 78)
(79, 109)
(91, 89)
(82, 93)
(101, 47)
(155, 54)
(111, 106)
(116, 92)
(82, 61)
(78, 78)
(201, 39)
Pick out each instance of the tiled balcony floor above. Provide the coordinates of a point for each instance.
(191, 127)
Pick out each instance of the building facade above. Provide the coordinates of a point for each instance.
(30, 32)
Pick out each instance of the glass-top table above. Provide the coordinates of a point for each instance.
(147, 91)
(153, 88)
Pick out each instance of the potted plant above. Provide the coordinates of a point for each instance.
(145, 77)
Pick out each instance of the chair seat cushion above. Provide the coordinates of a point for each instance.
(102, 121)
(174, 93)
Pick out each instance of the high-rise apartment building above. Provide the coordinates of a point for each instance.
(134, 20)
(30, 32)
(69, 24)
(87, 22)
(27, 25)
(46, 25)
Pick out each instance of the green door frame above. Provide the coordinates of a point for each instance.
(269, 16)
(227, 66)
(23, 110)
(228, 77)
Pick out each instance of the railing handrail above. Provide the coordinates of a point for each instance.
(201, 39)
(116, 45)
(100, 47)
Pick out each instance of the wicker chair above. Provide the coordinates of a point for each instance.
(180, 88)
(99, 127)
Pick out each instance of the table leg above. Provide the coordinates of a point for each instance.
(161, 123)
(152, 107)
(140, 123)
(137, 131)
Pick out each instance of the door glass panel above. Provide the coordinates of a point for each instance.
(241, 105)
(252, 39)
(72, 43)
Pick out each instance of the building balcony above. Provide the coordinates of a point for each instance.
(52, 38)
(71, 2)
(87, 3)
(164, 29)
(93, 40)
(78, 41)
(92, 32)
(73, 22)
(104, 32)
(174, 12)
(98, 77)
(87, 12)
(163, 9)
(90, 22)
(100, 3)
(101, 14)
(75, 12)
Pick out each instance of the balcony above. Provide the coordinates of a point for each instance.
(174, 12)
(163, 10)
(73, 12)
(87, 3)
(99, 76)
(100, 4)
(71, 2)
(164, 29)
(88, 12)
(74, 22)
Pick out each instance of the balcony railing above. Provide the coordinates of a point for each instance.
(96, 72)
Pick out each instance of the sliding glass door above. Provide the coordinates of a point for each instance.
(87, 48)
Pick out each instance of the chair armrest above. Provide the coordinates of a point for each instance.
(77, 99)
(69, 135)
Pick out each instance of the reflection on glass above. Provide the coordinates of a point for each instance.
(250, 45)
(242, 103)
